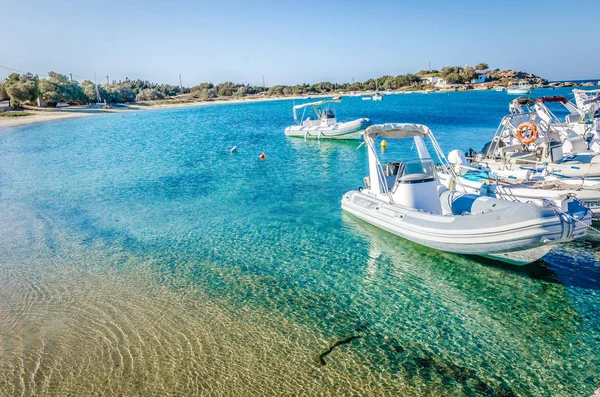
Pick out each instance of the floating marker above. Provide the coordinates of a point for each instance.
(233, 149)
(383, 144)
(262, 156)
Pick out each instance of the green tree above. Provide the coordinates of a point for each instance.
(468, 74)
(453, 78)
(89, 90)
(3, 93)
(59, 88)
(149, 94)
(225, 89)
(241, 91)
(22, 88)
(446, 70)
(482, 66)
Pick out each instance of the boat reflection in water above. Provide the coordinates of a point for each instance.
(464, 324)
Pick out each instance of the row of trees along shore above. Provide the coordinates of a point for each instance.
(29, 89)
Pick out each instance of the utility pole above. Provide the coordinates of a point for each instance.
(180, 85)
(263, 81)
(107, 80)
(97, 92)
(71, 75)
(430, 66)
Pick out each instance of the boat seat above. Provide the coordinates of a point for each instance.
(503, 151)
(455, 203)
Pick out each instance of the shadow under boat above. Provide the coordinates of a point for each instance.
(556, 267)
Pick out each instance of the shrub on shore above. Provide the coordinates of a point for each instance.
(149, 94)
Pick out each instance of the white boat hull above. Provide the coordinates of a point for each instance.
(348, 130)
(520, 235)
(518, 91)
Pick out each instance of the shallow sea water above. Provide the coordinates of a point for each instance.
(139, 257)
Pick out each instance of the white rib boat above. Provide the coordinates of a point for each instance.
(408, 200)
(325, 126)
(523, 88)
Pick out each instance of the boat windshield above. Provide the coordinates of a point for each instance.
(419, 166)
(325, 113)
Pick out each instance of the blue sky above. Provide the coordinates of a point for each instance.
(296, 41)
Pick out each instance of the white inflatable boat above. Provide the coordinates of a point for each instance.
(325, 126)
(407, 199)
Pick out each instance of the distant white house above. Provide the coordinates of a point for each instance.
(435, 81)
(481, 77)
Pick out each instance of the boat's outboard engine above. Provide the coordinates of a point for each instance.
(459, 161)
(417, 187)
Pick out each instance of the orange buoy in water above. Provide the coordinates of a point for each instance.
(262, 156)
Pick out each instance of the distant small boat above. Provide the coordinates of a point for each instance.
(377, 96)
(366, 98)
(500, 88)
(326, 125)
(522, 89)
(428, 91)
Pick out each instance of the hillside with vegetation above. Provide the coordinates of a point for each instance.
(29, 89)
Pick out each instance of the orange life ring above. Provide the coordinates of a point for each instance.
(529, 138)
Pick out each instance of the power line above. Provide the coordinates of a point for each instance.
(20, 71)
(41, 74)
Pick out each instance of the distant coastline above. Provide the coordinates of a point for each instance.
(26, 99)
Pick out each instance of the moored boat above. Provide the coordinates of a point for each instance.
(523, 186)
(325, 126)
(523, 88)
(407, 199)
(522, 142)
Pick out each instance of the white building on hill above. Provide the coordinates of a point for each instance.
(435, 81)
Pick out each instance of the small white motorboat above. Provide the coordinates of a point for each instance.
(500, 88)
(407, 199)
(523, 88)
(377, 97)
(325, 126)
(366, 98)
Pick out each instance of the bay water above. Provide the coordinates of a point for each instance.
(138, 256)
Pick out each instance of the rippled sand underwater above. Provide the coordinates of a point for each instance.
(130, 266)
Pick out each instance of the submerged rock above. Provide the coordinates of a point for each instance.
(320, 359)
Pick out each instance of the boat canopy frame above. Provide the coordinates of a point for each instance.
(313, 105)
(403, 131)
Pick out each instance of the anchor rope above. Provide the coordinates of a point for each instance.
(560, 213)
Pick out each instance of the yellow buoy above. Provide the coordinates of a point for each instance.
(383, 144)
(262, 156)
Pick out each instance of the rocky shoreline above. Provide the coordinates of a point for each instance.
(504, 78)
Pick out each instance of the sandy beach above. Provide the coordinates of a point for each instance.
(48, 114)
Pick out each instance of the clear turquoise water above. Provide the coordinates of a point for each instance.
(139, 257)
